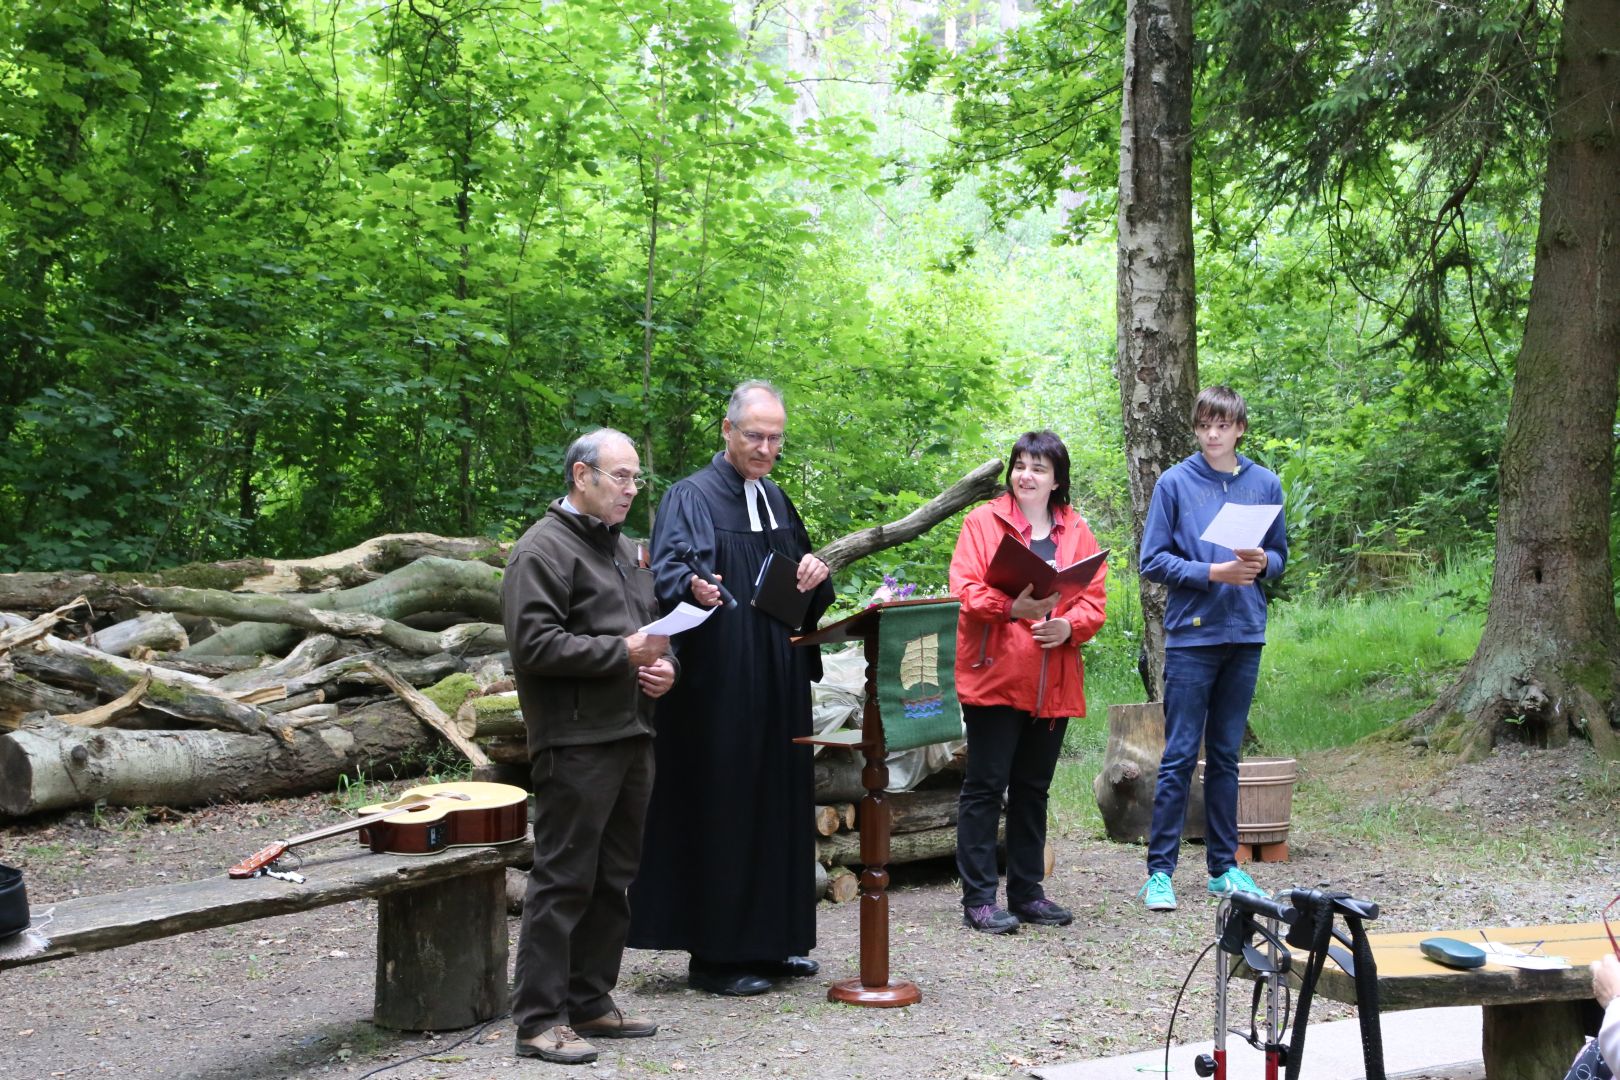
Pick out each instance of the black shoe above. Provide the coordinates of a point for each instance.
(1043, 912)
(990, 919)
(725, 979)
(794, 967)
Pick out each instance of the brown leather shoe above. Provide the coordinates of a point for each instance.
(558, 1044)
(613, 1024)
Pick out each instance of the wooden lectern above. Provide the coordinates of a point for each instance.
(874, 986)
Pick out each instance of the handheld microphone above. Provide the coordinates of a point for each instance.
(684, 554)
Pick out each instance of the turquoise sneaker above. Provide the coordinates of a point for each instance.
(1157, 893)
(1234, 880)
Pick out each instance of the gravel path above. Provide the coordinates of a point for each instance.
(1517, 839)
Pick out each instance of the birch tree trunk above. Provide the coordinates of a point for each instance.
(1156, 359)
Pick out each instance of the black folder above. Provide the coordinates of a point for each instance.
(776, 592)
(1015, 566)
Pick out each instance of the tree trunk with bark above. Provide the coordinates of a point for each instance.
(1547, 663)
(428, 584)
(35, 591)
(173, 698)
(53, 767)
(149, 631)
(1156, 359)
(21, 694)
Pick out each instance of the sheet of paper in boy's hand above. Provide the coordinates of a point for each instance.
(684, 617)
(1241, 525)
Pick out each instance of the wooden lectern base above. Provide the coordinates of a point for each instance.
(898, 993)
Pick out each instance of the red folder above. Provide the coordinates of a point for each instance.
(1015, 566)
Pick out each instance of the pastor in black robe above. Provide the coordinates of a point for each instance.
(727, 868)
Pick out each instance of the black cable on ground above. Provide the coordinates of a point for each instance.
(1170, 1032)
(479, 1030)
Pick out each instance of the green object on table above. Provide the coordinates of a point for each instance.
(1452, 953)
(916, 675)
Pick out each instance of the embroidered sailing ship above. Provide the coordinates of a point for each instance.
(920, 693)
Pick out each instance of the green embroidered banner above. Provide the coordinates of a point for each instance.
(916, 684)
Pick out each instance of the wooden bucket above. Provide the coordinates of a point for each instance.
(1265, 799)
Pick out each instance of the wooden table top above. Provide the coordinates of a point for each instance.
(1409, 980)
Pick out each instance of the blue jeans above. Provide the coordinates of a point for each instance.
(1207, 691)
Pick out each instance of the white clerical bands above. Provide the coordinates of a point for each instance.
(754, 495)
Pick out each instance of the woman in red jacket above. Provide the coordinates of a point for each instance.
(1019, 677)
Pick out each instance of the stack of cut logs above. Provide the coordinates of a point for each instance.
(922, 825)
(276, 679)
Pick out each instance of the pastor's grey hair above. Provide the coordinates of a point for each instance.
(588, 449)
(744, 391)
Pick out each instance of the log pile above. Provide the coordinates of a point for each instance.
(160, 691)
(922, 825)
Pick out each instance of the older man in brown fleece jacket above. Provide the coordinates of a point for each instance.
(576, 593)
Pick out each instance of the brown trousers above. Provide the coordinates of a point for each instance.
(590, 810)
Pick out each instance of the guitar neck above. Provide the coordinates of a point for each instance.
(256, 862)
(351, 825)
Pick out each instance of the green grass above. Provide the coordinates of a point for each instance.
(1334, 671)
(1337, 671)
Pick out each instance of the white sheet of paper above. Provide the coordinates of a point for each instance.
(1241, 525)
(1497, 953)
(684, 617)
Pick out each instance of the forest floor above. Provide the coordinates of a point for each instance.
(1518, 838)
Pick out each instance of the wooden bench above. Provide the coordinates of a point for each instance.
(1534, 1021)
(441, 923)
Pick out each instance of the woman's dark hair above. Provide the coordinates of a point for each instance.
(1043, 444)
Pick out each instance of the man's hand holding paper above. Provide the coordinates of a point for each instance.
(684, 617)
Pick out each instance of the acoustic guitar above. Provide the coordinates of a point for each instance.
(421, 821)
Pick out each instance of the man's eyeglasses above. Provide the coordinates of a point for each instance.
(623, 479)
(757, 437)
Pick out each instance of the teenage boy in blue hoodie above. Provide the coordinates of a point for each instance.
(1214, 627)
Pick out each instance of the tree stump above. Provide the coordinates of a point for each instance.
(441, 954)
(1125, 784)
(1130, 770)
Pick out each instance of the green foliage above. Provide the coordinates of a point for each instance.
(1036, 112)
(1338, 670)
(1364, 197)
(255, 304)
(358, 790)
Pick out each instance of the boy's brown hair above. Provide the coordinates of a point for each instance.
(1220, 403)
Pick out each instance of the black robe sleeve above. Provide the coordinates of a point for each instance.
(683, 518)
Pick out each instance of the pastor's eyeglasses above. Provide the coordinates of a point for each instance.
(757, 437)
(624, 480)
